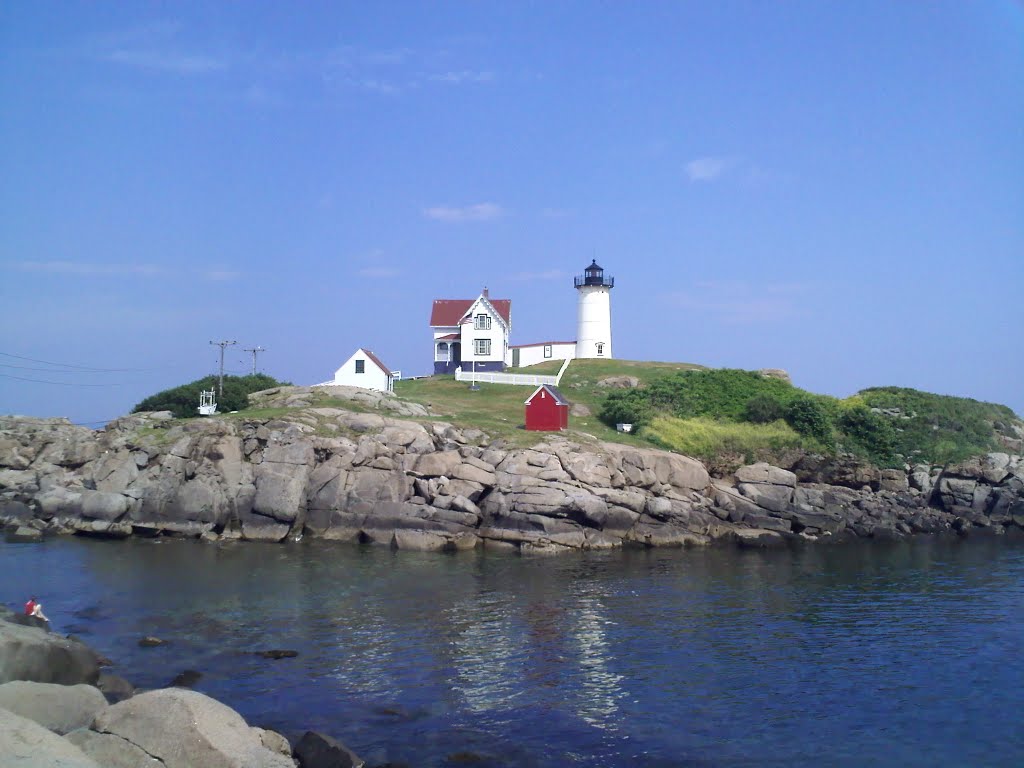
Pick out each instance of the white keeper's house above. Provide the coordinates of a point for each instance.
(363, 369)
(474, 333)
(471, 333)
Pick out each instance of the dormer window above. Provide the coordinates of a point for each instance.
(482, 322)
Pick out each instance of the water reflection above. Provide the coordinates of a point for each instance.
(600, 691)
(486, 652)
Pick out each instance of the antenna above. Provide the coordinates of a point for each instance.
(255, 351)
(220, 386)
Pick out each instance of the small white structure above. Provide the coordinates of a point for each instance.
(530, 354)
(594, 313)
(207, 404)
(364, 369)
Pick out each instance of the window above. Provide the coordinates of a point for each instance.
(600, 349)
(442, 351)
(482, 322)
(483, 347)
(547, 350)
(360, 366)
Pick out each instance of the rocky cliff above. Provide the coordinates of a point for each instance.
(361, 475)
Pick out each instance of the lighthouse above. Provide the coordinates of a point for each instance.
(594, 313)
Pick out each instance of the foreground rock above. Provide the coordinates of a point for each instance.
(369, 477)
(26, 744)
(59, 708)
(315, 750)
(29, 653)
(182, 728)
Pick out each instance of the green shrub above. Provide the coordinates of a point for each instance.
(628, 406)
(940, 428)
(809, 416)
(763, 409)
(721, 393)
(183, 401)
(869, 434)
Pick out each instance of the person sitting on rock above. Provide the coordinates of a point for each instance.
(34, 608)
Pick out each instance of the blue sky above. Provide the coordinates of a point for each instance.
(836, 189)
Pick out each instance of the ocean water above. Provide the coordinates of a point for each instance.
(868, 654)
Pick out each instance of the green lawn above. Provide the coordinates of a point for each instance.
(498, 409)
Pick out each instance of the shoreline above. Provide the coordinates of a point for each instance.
(363, 477)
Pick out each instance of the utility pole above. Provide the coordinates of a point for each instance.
(255, 351)
(220, 386)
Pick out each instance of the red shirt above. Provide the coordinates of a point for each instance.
(29, 607)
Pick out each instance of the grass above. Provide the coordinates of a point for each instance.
(498, 408)
(580, 382)
(709, 439)
(155, 436)
(495, 408)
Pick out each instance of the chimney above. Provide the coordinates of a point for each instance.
(487, 294)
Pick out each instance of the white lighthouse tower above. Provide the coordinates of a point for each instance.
(594, 313)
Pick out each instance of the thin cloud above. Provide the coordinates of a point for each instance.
(464, 76)
(376, 86)
(709, 168)
(171, 62)
(84, 268)
(388, 56)
(478, 212)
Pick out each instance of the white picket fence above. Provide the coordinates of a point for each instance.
(523, 379)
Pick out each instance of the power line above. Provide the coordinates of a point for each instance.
(76, 367)
(255, 351)
(222, 344)
(61, 383)
(47, 370)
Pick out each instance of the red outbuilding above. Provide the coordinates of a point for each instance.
(547, 410)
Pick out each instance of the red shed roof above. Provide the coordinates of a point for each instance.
(448, 312)
(553, 391)
(376, 361)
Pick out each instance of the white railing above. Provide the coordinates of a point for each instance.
(491, 377)
(523, 379)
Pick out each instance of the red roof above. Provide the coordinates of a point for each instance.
(538, 344)
(559, 398)
(376, 361)
(448, 337)
(448, 312)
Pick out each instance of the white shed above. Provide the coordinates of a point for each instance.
(364, 369)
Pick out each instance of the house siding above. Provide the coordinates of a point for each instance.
(373, 377)
(531, 354)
